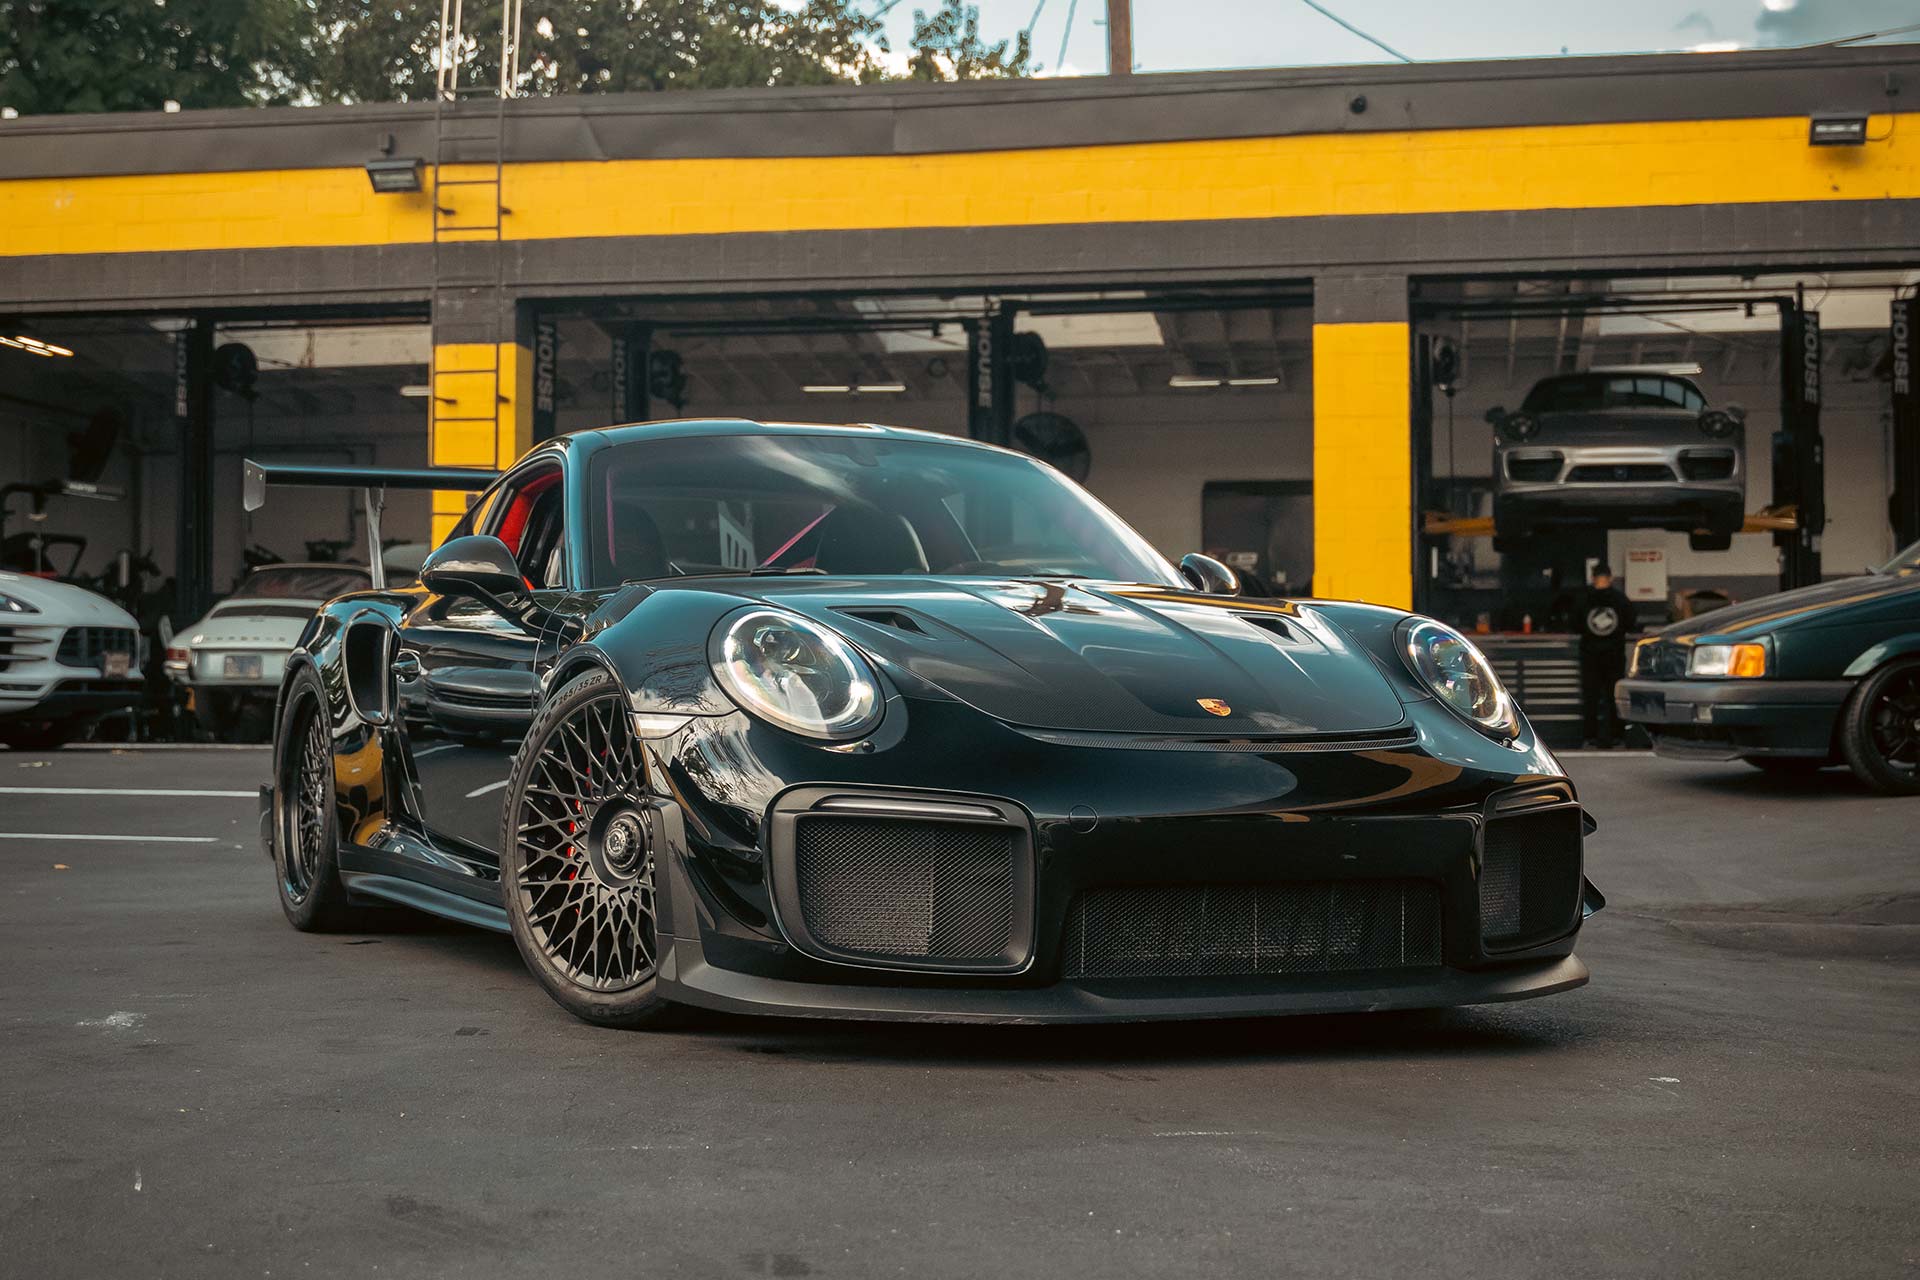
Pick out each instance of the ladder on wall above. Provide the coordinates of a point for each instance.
(469, 217)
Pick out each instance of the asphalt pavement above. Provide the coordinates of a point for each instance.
(190, 1088)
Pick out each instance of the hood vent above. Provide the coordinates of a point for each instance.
(1276, 627)
(893, 618)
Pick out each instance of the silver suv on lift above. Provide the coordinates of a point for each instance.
(1619, 450)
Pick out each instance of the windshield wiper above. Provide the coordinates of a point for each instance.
(776, 570)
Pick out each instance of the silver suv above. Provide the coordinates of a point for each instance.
(1619, 451)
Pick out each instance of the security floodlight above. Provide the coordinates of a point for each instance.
(391, 175)
(1836, 130)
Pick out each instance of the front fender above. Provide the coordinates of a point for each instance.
(1894, 647)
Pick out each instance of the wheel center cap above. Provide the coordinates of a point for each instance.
(623, 842)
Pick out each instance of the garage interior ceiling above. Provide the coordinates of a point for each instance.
(1508, 331)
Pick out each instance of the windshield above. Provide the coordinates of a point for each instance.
(1906, 564)
(302, 582)
(848, 506)
(1586, 392)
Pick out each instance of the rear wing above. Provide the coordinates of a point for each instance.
(373, 483)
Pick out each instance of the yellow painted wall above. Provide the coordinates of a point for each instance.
(467, 430)
(1363, 463)
(1427, 171)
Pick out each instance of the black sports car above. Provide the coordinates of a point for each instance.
(870, 723)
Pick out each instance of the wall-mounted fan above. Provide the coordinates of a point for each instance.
(1057, 440)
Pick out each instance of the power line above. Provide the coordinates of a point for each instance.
(1065, 36)
(1331, 16)
(1034, 21)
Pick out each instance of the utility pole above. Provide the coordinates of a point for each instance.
(1119, 37)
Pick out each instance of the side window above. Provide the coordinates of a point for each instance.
(528, 513)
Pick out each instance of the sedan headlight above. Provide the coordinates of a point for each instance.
(1733, 661)
(795, 674)
(12, 604)
(1459, 675)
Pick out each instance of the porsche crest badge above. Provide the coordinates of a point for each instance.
(1214, 707)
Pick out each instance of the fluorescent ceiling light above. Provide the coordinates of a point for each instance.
(880, 388)
(21, 342)
(1189, 381)
(1677, 370)
(1253, 382)
(827, 389)
(416, 391)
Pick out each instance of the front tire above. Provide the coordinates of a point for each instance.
(1880, 729)
(306, 823)
(577, 859)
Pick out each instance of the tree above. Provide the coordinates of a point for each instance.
(947, 46)
(136, 55)
(363, 50)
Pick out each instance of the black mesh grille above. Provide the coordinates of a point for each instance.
(914, 889)
(1541, 467)
(1616, 473)
(89, 646)
(1706, 464)
(1529, 878)
(1193, 931)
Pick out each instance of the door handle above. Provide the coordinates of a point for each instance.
(406, 666)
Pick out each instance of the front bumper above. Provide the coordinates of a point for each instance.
(687, 976)
(80, 699)
(1732, 719)
(1659, 505)
(734, 938)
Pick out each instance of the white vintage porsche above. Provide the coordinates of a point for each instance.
(230, 662)
(68, 657)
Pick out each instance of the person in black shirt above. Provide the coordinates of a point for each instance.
(1602, 616)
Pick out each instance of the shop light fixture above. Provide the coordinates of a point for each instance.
(393, 175)
(1191, 382)
(880, 388)
(21, 342)
(1675, 370)
(416, 391)
(827, 389)
(1836, 129)
(1253, 382)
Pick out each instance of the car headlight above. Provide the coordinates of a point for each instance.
(1520, 426)
(795, 674)
(1734, 661)
(12, 604)
(1459, 675)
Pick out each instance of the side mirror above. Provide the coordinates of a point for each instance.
(1496, 414)
(1204, 573)
(477, 567)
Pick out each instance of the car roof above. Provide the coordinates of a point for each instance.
(681, 428)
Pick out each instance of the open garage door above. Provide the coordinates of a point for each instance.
(1189, 413)
(1709, 439)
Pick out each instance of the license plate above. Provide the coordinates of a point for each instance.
(1652, 705)
(116, 665)
(242, 666)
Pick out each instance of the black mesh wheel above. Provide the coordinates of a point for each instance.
(306, 823)
(1880, 730)
(577, 866)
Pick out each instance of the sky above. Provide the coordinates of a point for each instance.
(1194, 35)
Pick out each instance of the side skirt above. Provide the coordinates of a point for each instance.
(423, 897)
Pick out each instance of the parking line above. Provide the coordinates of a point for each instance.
(62, 835)
(124, 791)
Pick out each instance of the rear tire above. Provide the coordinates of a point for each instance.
(305, 823)
(1880, 729)
(577, 860)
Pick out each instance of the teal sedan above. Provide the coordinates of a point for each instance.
(1793, 682)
